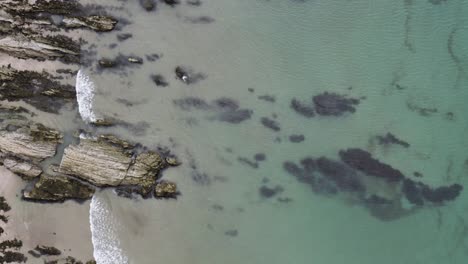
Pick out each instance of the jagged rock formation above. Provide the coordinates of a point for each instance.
(109, 161)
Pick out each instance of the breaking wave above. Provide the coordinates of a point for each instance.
(106, 245)
(85, 96)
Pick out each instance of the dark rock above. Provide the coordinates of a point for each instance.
(187, 75)
(267, 192)
(165, 189)
(135, 59)
(417, 174)
(270, 123)
(363, 161)
(389, 138)
(34, 253)
(332, 104)
(296, 138)
(107, 63)
(302, 109)
(58, 188)
(159, 80)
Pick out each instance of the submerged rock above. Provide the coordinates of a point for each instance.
(165, 189)
(389, 139)
(58, 188)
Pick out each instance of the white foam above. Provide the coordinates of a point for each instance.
(107, 249)
(85, 96)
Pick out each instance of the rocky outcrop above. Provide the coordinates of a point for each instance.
(165, 189)
(58, 188)
(109, 161)
(28, 141)
(26, 169)
(96, 23)
(37, 89)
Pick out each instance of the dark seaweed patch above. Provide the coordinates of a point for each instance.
(194, 2)
(363, 161)
(267, 192)
(270, 123)
(267, 98)
(153, 57)
(200, 20)
(192, 103)
(226, 104)
(236, 116)
(124, 36)
(343, 176)
(231, 233)
(159, 80)
(332, 104)
(389, 138)
(296, 138)
(302, 109)
(260, 157)
(248, 162)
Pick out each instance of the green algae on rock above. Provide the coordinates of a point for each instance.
(58, 188)
(37, 89)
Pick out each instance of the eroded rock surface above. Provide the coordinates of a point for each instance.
(58, 188)
(109, 161)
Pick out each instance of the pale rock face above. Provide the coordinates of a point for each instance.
(106, 162)
(22, 168)
(29, 142)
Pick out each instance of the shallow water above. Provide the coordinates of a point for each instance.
(398, 57)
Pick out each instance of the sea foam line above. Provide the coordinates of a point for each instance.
(85, 88)
(107, 249)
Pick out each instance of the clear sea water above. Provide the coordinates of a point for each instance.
(398, 55)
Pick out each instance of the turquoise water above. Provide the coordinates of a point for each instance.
(399, 57)
(407, 63)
